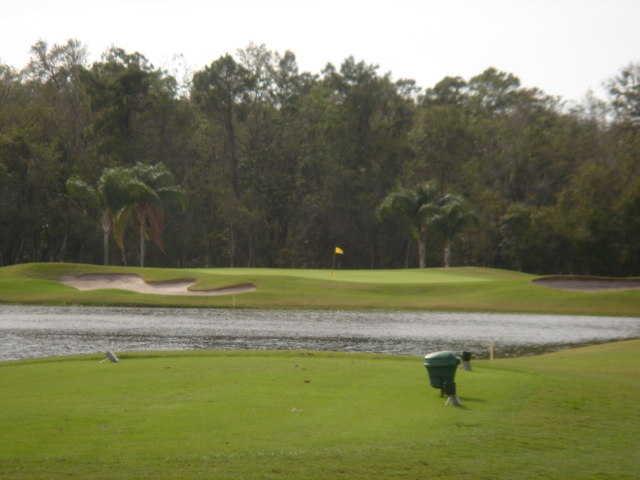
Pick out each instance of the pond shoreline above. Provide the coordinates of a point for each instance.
(302, 352)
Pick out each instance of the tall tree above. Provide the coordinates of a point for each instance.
(220, 90)
(107, 199)
(624, 89)
(450, 218)
(442, 142)
(124, 89)
(419, 207)
(151, 191)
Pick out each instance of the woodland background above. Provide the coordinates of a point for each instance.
(279, 166)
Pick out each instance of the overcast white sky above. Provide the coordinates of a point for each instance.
(564, 47)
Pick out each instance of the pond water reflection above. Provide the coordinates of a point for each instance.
(29, 331)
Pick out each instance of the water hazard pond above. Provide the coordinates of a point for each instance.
(30, 332)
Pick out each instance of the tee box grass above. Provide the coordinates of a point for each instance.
(273, 415)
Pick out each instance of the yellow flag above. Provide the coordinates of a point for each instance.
(339, 251)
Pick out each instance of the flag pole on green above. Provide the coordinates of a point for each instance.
(336, 251)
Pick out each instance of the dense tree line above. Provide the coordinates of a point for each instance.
(279, 165)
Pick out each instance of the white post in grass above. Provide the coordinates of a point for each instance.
(113, 358)
(466, 361)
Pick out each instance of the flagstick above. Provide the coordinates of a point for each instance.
(333, 264)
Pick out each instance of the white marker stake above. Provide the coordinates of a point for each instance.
(113, 358)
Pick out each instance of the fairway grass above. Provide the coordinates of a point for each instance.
(453, 289)
(274, 415)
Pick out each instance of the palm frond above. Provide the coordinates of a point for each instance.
(82, 193)
(140, 192)
(155, 176)
(426, 193)
(453, 215)
(172, 195)
(115, 189)
(121, 220)
(157, 224)
(401, 202)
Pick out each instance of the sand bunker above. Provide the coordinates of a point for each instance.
(134, 283)
(588, 284)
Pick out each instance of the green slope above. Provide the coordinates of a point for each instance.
(461, 289)
(309, 415)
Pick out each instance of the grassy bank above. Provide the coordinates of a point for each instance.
(455, 289)
(278, 415)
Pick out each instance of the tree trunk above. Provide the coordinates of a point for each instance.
(407, 253)
(232, 246)
(141, 244)
(18, 257)
(106, 230)
(63, 248)
(447, 253)
(422, 247)
(105, 247)
(233, 161)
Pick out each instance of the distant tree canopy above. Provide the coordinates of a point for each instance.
(277, 166)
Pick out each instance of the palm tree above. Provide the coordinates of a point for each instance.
(122, 192)
(107, 199)
(417, 207)
(151, 190)
(452, 215)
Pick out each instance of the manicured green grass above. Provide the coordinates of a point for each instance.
(454, 289)
(274, 415)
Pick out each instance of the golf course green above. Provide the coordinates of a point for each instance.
(273, 415)
(453, 289)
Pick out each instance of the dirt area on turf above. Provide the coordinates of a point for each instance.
(134, 283)
(588, 284)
